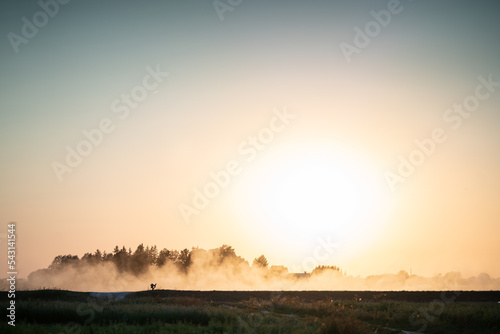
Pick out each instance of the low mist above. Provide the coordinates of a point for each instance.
(219, 269)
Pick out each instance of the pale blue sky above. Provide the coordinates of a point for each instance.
(225, 78)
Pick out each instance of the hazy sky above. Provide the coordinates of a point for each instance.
(318, 170)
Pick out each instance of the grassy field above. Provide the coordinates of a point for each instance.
(167, 311)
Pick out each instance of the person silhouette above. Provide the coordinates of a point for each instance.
(153, 286)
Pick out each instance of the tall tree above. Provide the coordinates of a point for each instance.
(260, 262)
(184, 259)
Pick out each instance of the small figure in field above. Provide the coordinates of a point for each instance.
(153, 286)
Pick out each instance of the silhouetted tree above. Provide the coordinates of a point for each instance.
(107, 256)
(98, 255)
(260, 262)
(322, 269)
(121, 258)
(152, 254)
(173, 255)
(89, 258)
(63, 260)
(403, 274)
(223, 252)
(184, 259)
(139, 261)
(163, 257)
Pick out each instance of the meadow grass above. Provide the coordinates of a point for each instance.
(72, 312)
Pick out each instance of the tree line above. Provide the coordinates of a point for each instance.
(143, 258)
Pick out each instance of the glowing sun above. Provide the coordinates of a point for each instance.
(304, 191)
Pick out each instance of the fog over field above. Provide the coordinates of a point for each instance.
(221, 269)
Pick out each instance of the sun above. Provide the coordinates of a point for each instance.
(312, 190)
(304, 190)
